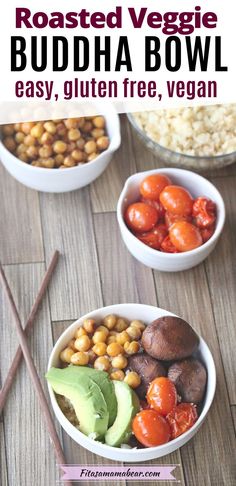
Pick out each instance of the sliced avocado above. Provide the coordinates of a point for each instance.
(127, 407)
(85, 396)
(103, 381)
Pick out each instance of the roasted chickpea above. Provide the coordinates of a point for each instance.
(110, 321)
(90, 147)
(114, 349)
(121, 324)
(132, 348)
(92, 157)
(50, 127)
(80, 358)
(8, 129)
(71, 123)
(69, 161)
(19, 137)
(78, 155)
(59, 147)
(119, 362)
(80, 143)
(132, 379)
(80, 332)
(117, 375)
(111, 339)
(59, 159)
(103, 143)
(10, 143)
(123, 337)
(139, 324)
(46, 139)
(32, 152)
(83, 343)
(102, 363)
(24, 158)
(99, 337)
(37, 130)
(74, 134)
(99, 122)
(66, 355)
(134, 332)
(87, 127)
(45, 151)
(20, 149)
(71, 344)
(29, 140)
(97, 133)
(100, 349)
(103, 328)
(89, 325)
(48, 163)
(26, 127)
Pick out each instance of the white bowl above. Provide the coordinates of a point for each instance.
(170, 262)
(147, 314)
(55, 180)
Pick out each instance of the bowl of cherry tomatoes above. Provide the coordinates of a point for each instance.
(170, 219)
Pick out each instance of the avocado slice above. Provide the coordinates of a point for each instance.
(105, 383)
(127, 407)
(86, 398)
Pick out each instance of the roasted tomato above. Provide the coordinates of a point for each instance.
(141, 217)
(162, 395)
(185, 236)
(177, 200)
(204, 212)
(182, 418)
(152, 186)
(155, 237)
(167, 246)
(157, 205)
(173, 218)
(150, 428)
(207, 233)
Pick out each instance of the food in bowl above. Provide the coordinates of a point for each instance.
(167, 218)
(57, 144)
(114, 391)
(202, 131)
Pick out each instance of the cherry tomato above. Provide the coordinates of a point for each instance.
(141, 217)
(177, 200)
(182, 418)
(157, 205)
(155, 237)
(207, 233)
(167, 246)
(150, 428)
(162, 395)
(204, 212)
(172, 218)
(152, 186)
(185, 236)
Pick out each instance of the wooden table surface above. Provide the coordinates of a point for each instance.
(95, 269)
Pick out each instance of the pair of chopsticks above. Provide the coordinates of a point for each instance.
(23, 350)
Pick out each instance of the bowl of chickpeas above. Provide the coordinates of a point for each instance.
(107, 339)
(60, 155)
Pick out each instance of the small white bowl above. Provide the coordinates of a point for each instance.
(170, 262)
(147, 314)
(55, 180)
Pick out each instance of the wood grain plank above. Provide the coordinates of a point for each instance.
(233, 410)
(123, 278)
(208, 457)
(76, 454)
(3, 462)
(30, 456)
(106, 189)
(20, 235)
(67, 226)
(221, 272)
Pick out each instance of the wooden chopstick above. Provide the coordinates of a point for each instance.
(33, 374)
(18, 356)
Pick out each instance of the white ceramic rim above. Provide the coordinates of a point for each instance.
(168, 256)
(130, 452)
(114, 145)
